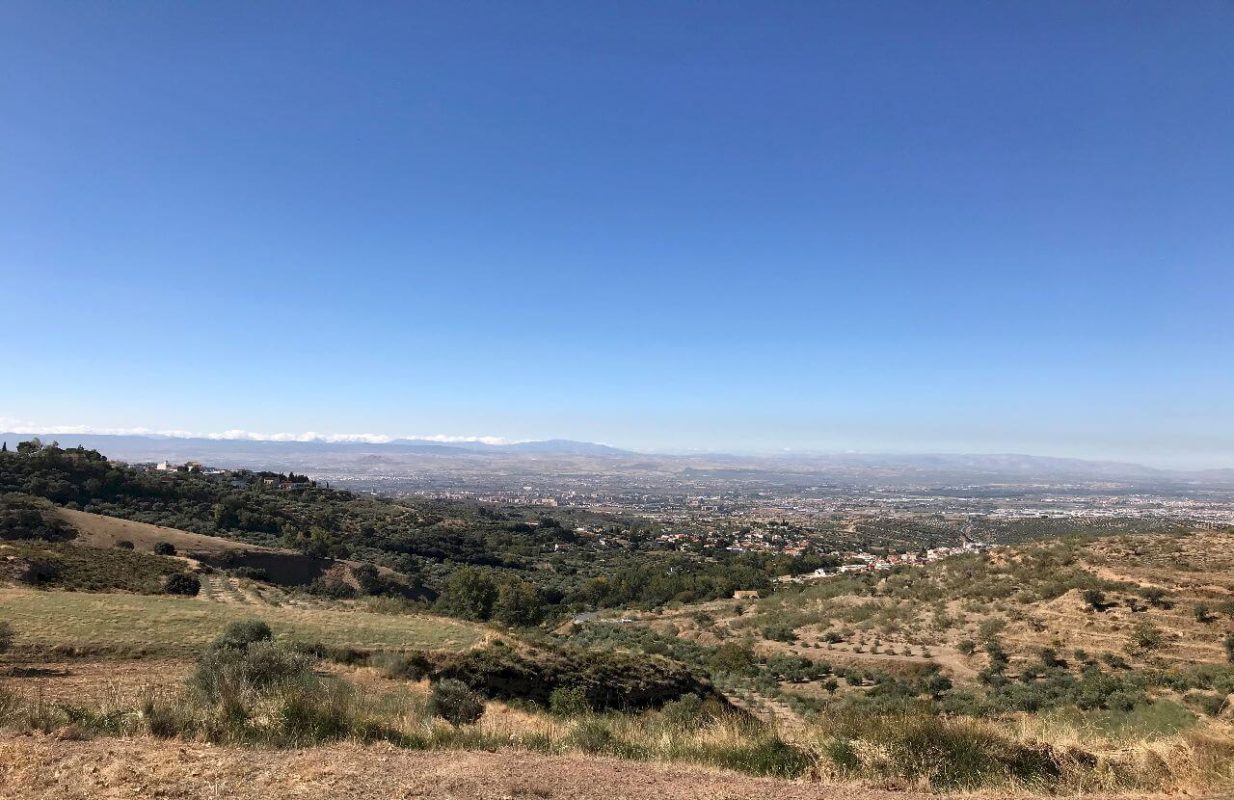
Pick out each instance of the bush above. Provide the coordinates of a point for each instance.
(6, 637)
(225, 674)
(779, 633)
(948, 754)
(568, 702)
(239, 635)
(1147, 636)
(1094, 599)
(41, 572)
(455, 703)
(124, 544)
(182, 583)
(410, 666)
(609, 679)
(332, 586)
(164, 549)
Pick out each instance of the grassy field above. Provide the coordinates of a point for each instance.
(95, 530)
(155, 624)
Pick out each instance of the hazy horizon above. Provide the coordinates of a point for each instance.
(831, 226)
(11, 426)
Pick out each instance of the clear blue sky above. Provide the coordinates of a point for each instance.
(895, 226)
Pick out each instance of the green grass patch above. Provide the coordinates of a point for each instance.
(76, 622)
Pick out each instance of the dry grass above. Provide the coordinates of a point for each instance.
(95, 530)
(73, 622)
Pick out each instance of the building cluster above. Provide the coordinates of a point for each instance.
(858, 562)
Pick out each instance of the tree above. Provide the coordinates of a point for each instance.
(519, 604)
(30, 447)
(470, 593)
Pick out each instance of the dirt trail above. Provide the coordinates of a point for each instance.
(40, 767)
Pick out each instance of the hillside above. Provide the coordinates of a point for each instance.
(1060, 664)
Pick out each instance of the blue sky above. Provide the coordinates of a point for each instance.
(976, 227)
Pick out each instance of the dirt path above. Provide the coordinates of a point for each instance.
(42, 768)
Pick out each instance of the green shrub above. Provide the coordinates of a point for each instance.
(239, 635)
(164, 549)
(948, 754)
(779, 633)
(225, 674)
(1094, 599)
(455, 703)
(1147, 636)
(182, 583)
(568, 701)
(409, 666)
(765, 755)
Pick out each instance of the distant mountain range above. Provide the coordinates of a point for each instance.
(566, 457)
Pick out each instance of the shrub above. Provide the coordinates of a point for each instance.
(1147, 636)
(124, 544)
(779, 633)
(182, 583)
(332, 586)
(568, 702)
(1094, 599)
(455, 703)
(227, 675)
(41, 572)
(765, 755)
(732, 658)
(1202, 613)
(6, 637)
(1156, 596)
(410, 666)
(164, 549)
(239, 635)
(948, 754)
(1228, 644)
